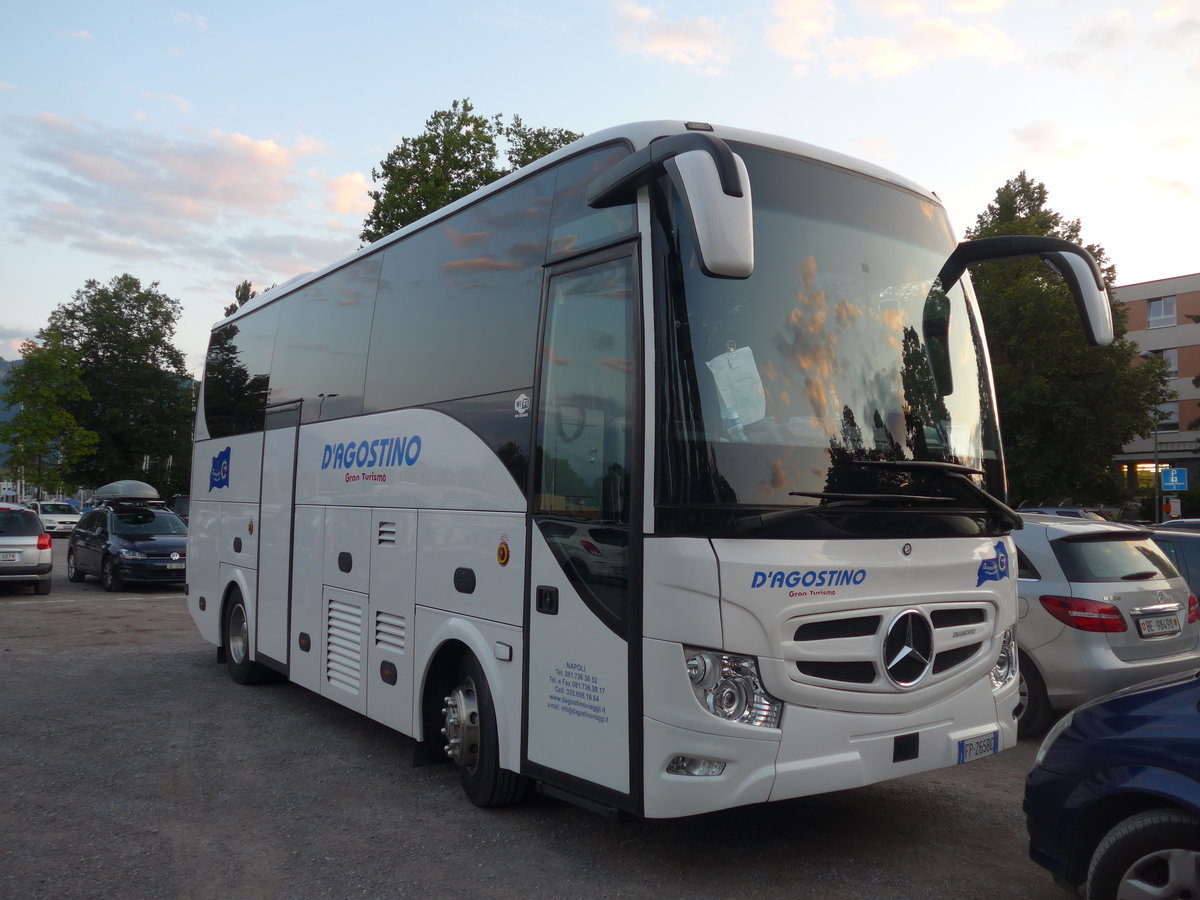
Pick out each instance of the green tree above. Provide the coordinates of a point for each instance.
(140, 400)
(45, 442)
(456, 154)
(1066, 408)
(242, 294)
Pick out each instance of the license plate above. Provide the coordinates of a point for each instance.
(176, 565)
(978, 747)
(1158, 626)
(8, 557)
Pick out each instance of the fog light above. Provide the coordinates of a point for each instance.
(694, 765)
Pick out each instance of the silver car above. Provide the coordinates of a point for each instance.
(26, 553)
(1101, 608)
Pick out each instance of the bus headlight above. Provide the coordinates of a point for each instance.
(1005, 669)
(729, 687)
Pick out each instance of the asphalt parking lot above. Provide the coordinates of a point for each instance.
(131, 765)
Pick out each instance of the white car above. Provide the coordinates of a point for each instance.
(1101, 607)
(57, 517)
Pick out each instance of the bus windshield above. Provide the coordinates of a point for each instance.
(840, 354)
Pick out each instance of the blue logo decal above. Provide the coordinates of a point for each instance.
(370, 454)
(813, 578)
(994, 569)
(219, 476)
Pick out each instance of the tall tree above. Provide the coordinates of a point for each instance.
(44, 440)
(1066, 408)
(242, 294)
(140, 398)
(456, 154)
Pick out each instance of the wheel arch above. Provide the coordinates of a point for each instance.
(1130, 797)
(454, 638)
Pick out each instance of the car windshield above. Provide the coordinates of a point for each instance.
(58, 509)
(19, 523)
(148, 522)
(1115, 557)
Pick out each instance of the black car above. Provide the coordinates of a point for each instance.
(128, 543)
(1183, 549)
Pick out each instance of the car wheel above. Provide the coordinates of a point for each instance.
(1033, 707)
(1151, 854)
(74, 573)
(42, 588)
(472, 742)
(235, 633)
(109, 577)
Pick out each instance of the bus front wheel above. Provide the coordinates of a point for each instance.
(472, 741)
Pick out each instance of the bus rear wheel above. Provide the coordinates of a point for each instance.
(235, 633)
(472, 741)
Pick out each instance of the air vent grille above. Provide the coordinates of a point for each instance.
(390, 631)
(343, 645)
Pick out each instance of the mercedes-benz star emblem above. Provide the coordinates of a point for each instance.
(908, 648)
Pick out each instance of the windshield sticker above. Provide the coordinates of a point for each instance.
(218, 477)
(743, 400)
(995, 568)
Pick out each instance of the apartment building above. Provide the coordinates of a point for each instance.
(1162, 320)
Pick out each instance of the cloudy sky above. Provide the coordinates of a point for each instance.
(204, 144)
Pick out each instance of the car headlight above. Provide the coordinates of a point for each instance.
(1005, 669)
(729, 687)
(1052, 735)
(128, 553)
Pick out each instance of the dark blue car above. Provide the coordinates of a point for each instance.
(127, 544)
(1113, 801)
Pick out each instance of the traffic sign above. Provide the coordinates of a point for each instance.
(1174, 479)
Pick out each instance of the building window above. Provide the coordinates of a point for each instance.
(1171, 355)
(1168, 416)
(1162, 312)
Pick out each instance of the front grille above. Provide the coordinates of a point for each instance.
(948, 659)
(955, 618)
(847, 672)
(832, 629)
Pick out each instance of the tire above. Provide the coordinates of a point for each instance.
(1033, 709)
(109, 577)
(235, 637)
(42, 588)
(472, 742)
(1151, 854)
(74, 573)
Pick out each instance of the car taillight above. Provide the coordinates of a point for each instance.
(44, 542)
(590, 548)
(1193, 610)
(1086, 615)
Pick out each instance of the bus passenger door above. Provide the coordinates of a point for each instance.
(583, 619)
(275, 535)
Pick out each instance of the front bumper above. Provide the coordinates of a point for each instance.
(149, 571)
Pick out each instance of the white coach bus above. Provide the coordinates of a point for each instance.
(660, 474)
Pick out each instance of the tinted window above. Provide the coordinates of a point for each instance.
(321, 349)
(1026, 569)
(458, 303)
(1112, 558)
(19, 523)
(575, 226)
(146, 522)
(237, 373)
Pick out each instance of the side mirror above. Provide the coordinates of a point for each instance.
(723, 224)
(1072, 262)
(715, 188)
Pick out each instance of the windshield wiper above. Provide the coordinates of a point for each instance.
(959, 473)
(1139, 576)
(828, 495)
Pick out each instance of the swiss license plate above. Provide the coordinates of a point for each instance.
(978, 747)
(8, 557)
(1157, 626)
(176, 565)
